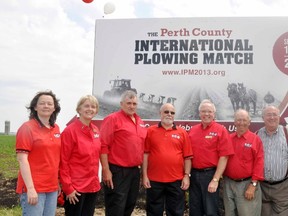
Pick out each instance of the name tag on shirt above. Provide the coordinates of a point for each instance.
(248, 145)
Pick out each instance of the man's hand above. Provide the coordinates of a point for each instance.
(212, 187)
(185, 182)
(250, 192)
(146, 182)
(107, 178)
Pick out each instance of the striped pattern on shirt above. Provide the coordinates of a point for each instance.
(275, 154)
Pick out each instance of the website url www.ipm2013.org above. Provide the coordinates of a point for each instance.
(194, 72)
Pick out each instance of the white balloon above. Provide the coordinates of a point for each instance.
(109, 8)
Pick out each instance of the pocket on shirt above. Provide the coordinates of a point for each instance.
(247, 154)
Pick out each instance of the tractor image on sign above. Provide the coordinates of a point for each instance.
(118, 86)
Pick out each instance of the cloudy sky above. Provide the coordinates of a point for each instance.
(48, 44)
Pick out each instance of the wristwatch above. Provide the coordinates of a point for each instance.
(215, 180)
(253, 183)
(188, 174)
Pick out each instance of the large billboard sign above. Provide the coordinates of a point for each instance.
(235, 62)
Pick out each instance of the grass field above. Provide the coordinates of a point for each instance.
(8, 168)
(16, 211)
(8, 162)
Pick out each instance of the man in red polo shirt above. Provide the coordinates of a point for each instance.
(211, 145)
(166, 165)
(242, 192)
(122, 137)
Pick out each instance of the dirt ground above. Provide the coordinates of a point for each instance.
(9, 199)
(101, 212)
(8, 196)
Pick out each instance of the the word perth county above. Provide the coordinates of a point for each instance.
(193, 51)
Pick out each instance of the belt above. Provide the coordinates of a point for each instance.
(133, 167)
(240, 180)
(204, 169)
(275, 182)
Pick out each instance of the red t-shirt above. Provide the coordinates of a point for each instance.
(80, 152)
(209, 144)
(248, 160)
(43, 147)
(122, 139)
(167, 151)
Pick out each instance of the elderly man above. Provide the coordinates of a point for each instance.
(122, 136)
(166, 165)
(211, 146)
(275, 184)
(242, 193)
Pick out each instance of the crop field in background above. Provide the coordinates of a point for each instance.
(8, 173)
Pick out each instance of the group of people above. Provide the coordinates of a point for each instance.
(251, 166)
(50, 162)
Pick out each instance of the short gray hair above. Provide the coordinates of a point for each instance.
(128, 94)
(270, 106)
(207, 101)
(242, 110)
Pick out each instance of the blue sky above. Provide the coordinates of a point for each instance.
(49, 44)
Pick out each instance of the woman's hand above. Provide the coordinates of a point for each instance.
(32, 196)
(73, 197)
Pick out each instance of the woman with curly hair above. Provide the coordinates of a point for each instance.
(38, 146)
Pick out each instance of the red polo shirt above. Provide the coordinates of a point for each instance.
(248, 160)
(122, 139)
(167, 151)
(80, 152)
(43, 146)
(209, 144)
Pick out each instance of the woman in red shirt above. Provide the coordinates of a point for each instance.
(38, 146)
(79, 166)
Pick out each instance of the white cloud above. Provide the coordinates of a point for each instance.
(41, 48)
(49, 44)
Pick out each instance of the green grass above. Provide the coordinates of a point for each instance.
(8, 163)
(8, 168)
(16, 211)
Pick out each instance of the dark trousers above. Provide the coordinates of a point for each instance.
(85, 206)
(168, 196)
(122, 199)
(201, 202)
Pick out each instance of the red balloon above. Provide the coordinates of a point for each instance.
(87, 1)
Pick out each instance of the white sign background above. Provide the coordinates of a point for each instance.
(115, 58)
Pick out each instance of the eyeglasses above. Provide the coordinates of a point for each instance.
(269, 115)
(206, 111)
(167, 112)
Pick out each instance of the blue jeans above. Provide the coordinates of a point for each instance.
(46, 206)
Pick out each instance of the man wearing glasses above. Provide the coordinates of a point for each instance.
(211, 146)
(166, 165)
(275, 184)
